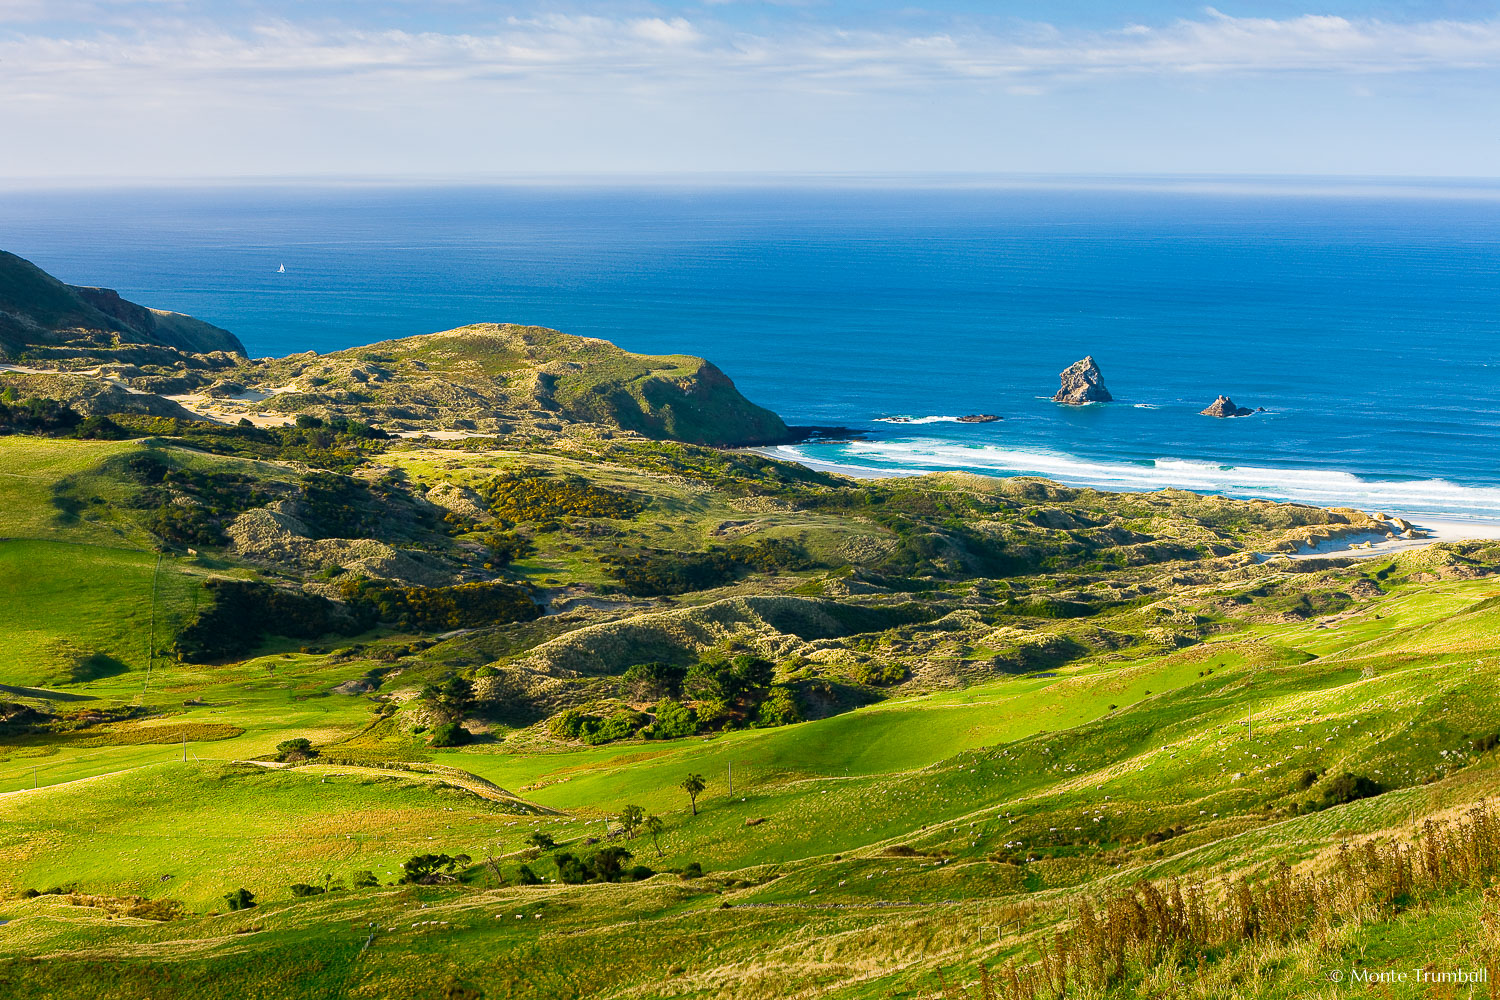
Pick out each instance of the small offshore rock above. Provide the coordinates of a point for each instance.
(978, 418)
(1082, 383)
(1224, 407)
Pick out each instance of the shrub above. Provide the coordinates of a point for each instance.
(296, 749)
(450, 734)
(605, 865)
(779, 709)
(466, 605)
(526, 876)
(364, 880)
(880, 674)
(692, 870)
(506, 546)
(673, 720)
(450, 700)
(575, 724)
(653, 572)
(651, 681)
(302, 890)
(239, 899)
(533, 495)
(1347, 788)
(432, 869)
(727, 680)
(619, 726)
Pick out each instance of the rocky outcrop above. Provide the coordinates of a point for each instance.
(1224, 407)
(978, 418)
(38, 310)
(1082, 383)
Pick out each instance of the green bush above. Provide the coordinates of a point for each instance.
(673, 721)
(654, 572)
(450, 734)
(296, 749)
(533, 495)
(652, 681)
(239, 899)
(779, 709)
(605, 865)
(880, 674)
(467, 605)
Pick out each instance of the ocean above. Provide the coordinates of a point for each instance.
(1366, 321)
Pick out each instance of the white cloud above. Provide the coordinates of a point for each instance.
(647, 91)
(677, 31)
(585, 49)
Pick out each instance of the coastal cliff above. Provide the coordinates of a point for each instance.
(39, 311)
(503, 378)
(100, 353)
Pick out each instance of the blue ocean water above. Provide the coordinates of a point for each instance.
(1367, 324)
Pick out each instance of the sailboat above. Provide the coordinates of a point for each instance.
(281, 269)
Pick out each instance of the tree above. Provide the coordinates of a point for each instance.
(779, 709)
(609, 863)
(449, 701)
(693, 784)
(431, 869)
(673, 719)
(302, 889)
(651, 681)
(541, 840)
(364, 879)
(239, 899)
(753, 672)
(631, 818)
(654, 826)
(295, 749)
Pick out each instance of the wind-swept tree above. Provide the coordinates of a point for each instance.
(654, 826)
(631, 818)
(693, 784)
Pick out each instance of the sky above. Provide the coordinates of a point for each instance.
(111, 91)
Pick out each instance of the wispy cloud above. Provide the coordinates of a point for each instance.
(163, 87)
(589, 50)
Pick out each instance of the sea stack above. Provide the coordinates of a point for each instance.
(1082, 383)
(1224, 407)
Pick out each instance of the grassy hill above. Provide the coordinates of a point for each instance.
(38, 311)
(949, 729)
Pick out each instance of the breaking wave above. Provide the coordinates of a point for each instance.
(1305, 485)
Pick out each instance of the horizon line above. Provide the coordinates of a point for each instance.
(1290, 184)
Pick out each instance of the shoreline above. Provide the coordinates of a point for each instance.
(1436, 528)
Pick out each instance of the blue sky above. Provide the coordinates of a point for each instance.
(122, 90)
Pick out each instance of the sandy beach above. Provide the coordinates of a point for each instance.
(1433, 528)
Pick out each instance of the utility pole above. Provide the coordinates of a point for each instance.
(731, 777)
(1249, 724)
(184, 748)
